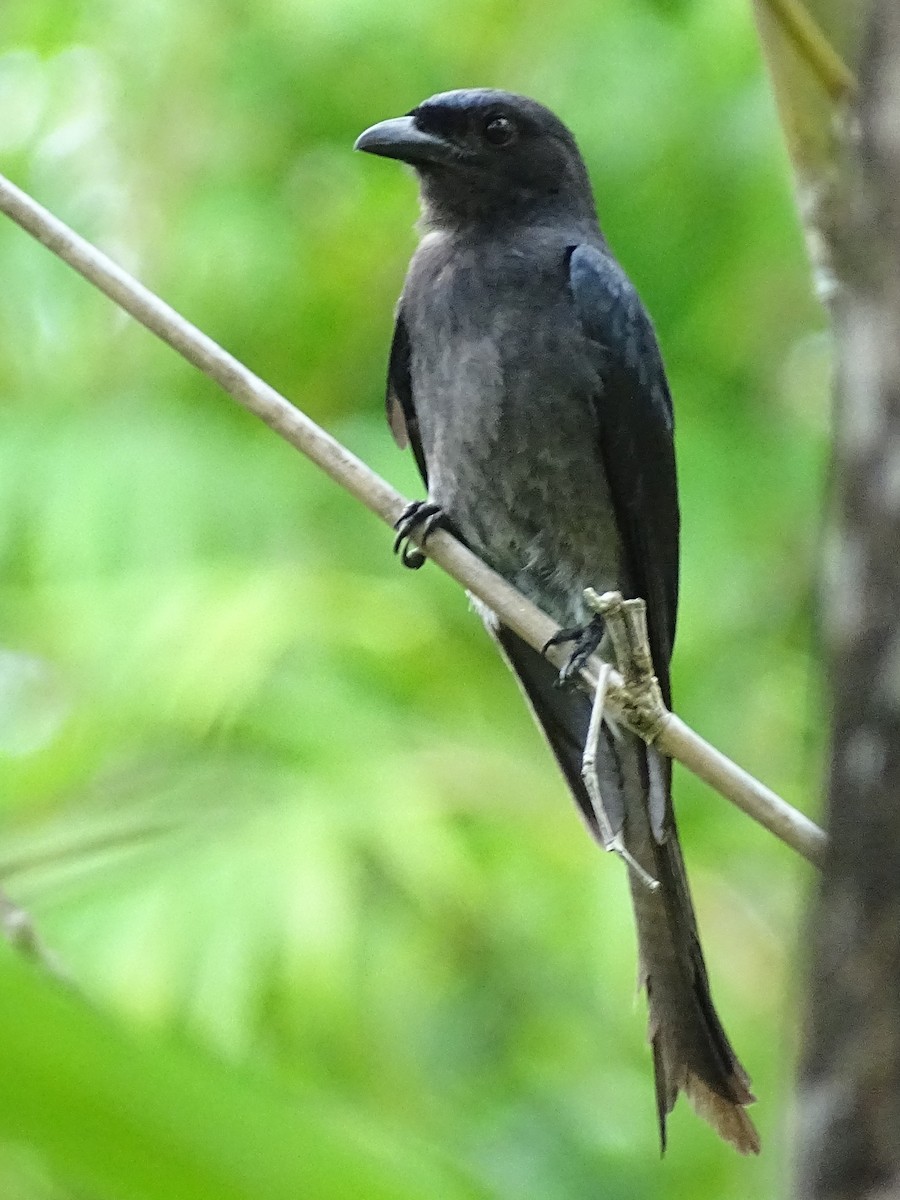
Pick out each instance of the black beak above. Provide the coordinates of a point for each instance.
(402, 139)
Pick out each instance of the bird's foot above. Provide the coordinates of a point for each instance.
(421, 518)
(587, 639)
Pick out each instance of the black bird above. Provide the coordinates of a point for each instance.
(526, 376)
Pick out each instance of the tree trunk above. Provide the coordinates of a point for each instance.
(849, 1104)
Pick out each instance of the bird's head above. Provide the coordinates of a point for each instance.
(486, 156)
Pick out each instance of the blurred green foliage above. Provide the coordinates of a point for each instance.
(274, 801)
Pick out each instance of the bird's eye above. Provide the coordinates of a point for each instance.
(499, 130)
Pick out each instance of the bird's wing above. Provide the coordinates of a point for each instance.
(691, 1051)
(634, 416)
(401, 412)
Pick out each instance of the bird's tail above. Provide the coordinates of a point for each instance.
(691, 1052)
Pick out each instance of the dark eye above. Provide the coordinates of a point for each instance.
(499, 130)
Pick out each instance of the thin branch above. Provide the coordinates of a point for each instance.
(823, 60)
(673, 738)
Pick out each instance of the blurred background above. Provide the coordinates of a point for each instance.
(273, 801)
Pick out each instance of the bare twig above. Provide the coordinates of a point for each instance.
(810, 47)
(674, 739)
(807, 35)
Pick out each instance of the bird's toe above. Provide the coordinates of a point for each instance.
(421, 518)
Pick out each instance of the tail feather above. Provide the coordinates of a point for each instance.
(729, 1119)
(691, 1052)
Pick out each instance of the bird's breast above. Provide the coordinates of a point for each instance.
(504, 388)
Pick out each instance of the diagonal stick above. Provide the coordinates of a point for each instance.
(673, 736)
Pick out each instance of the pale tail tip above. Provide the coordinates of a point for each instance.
(728, 1118)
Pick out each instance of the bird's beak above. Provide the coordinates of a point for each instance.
(401, 138)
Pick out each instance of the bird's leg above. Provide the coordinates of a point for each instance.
(640, 697)
(612, 842)
(420, 517)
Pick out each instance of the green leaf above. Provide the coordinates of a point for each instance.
(140, 1118)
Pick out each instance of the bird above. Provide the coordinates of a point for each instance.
(525, 375)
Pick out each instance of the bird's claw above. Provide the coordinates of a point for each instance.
(420, 517)
(587, 639)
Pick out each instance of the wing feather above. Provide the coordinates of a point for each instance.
(634, 415)
(401, 411)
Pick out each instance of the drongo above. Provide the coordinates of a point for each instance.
(525, 374)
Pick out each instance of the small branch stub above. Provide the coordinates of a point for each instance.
(640, 697)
